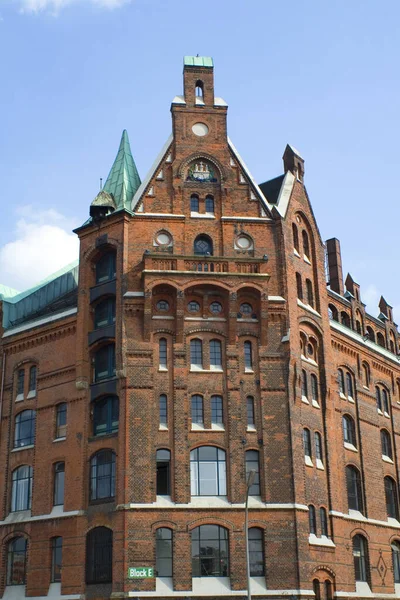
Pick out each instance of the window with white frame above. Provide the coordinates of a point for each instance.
(208, 471)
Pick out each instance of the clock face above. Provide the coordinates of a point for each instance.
(200, 129)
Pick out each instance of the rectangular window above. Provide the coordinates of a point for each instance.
(197, 410)
(196, 354)
(163, 354)
(59, 473)
(307, 443)
(61, 421)
(163, 410)
(32, 379)
(248, 357)
(250, 412)
(215, 355)
(20, 382)
(56, 559)
(216, 410)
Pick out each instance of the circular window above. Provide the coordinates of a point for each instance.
(216, 308)
(246, 308)
(193, 306)
(162, 305)
(200, 129)
(163, 238)
(244, 243)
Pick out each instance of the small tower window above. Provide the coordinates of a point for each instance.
(199, 89)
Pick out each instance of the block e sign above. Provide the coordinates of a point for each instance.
(140, 572)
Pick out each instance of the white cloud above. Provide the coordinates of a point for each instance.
(54, 6)
(42, 244)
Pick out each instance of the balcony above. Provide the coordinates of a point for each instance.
(206, 265)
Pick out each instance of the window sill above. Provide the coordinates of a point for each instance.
(308, 461)
(251, 428)
(387, 459)
(196, 215)
(27, 447)
(306, 259)
(163, 317)
(320, 465)
(356, 514)
(19, 398)
(350, 399)
(217, 427)
(162, 370)
(342, 396)
(199, 370)
(242, 320)
(393, 521)
(385, 414)
(197, 427)
(102, 436)
(31, 394)
(249, 371)
(378, 410)
(305, 400)
(60, 439)
(163, 428)
(322, 540)
(311, 361)
(296, 253)
(349, 446)
(315, 404)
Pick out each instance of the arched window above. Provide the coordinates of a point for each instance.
(316, 589)
(203, 245)
(196, 354)
(299, 286)
(24, 433)
(99, 555)
(310, 294)
(304, 384)
(378, 398)
(324, 521)
(61, 420)
(380, 339)
(163, 410)
(256, 552)
(250, 411)
(354, 489)
(328, 590)
(217, 414)
(59, 479)
(253, 464)
(208, 471)
(164, 552)
(32, 381)
(105, 267)
(314, 389)
(312, 520)
(199, 90)
(104, 313)
(319, 453)
(365, 370)
(197, 410)
(16, 561)
(248, 357)
(215, 355)
(349, 385)
(306, 244)
(307, 443)
(163, 459)
(392, 505)
(371, 334)
(385, 401)
(386, 444)
(162, 353)
(102, 475)
(106, 415)
(21, 495)
(104, 363)
(194, 203)
(295, 237)
(360, 557)
(396, 561)
(349, 430)
(56, 559)
(209, 204)
(342, 389)
(333, 312)
(210, 551)
(20, 383)
(345, 319)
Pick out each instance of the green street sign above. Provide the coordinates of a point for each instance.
(140, 572)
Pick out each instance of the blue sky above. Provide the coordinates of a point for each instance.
(321, 76)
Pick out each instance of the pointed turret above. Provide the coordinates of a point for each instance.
(123, 180)
(386, 310)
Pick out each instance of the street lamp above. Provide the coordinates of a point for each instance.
(250, 481)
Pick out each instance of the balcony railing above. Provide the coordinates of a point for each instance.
(206, 264)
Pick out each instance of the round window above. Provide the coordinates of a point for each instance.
(162, 305)
(244, 243)
(216, 308)
(200, 129)
(246, 308)
(193, 306)
(163, 238)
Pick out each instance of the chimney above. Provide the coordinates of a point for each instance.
(335, 266)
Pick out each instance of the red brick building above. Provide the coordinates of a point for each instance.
(197, 340)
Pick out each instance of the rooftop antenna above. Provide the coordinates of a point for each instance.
(101, 183)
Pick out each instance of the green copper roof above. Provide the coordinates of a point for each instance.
(123, 179)
(198, 61)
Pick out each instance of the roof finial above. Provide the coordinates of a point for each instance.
(197, 55)
(101, 183)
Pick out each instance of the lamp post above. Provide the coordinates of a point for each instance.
(250, 481)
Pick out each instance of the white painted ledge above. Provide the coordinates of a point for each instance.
(17, 592)
(322, 540)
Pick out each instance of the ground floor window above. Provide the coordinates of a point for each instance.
(210, 552)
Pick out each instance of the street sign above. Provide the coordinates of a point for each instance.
(140, 572)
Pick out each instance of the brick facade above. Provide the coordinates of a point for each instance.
(299, 338)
